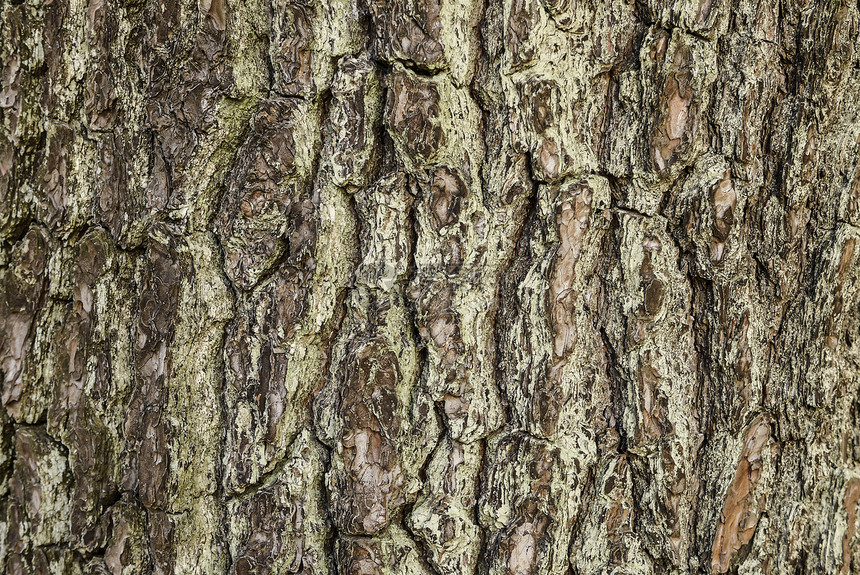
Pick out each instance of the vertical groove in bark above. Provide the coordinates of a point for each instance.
(429, 286)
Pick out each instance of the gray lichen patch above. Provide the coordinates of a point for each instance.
(551, 350)
(354, 119)
(530, 501)
(442, 517)
(373, 411)
(391, 552)
(39, 491)
(283, 524)
(606, 539)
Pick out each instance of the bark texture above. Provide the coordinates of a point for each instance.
(417, 287)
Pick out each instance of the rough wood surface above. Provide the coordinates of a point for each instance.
(430, 287)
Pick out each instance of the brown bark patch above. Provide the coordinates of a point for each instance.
(741, 509)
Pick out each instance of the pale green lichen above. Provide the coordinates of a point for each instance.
(193, 407)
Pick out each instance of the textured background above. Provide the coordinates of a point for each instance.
(562, 287)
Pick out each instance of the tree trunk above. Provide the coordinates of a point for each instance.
(414, 287)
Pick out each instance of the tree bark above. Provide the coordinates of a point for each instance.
(426, 287)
